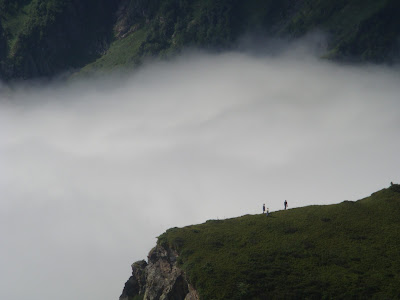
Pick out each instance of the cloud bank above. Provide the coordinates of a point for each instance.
(92, 172)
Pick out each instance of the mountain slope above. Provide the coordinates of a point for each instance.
(347, 250)
(46, 37)
(356, 30)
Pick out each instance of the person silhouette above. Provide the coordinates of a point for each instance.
(285, 204)
(263, 208)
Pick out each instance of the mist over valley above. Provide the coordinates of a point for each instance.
(93, 171)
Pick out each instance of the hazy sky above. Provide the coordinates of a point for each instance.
(92, 172)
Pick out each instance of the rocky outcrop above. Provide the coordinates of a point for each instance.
(130, 16)
(160, 278)
(136, 284)
(395, 187)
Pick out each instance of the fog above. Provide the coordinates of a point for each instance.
(91, 172)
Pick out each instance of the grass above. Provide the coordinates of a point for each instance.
(348, 250)
(122, 53)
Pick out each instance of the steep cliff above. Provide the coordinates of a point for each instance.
(160, 278)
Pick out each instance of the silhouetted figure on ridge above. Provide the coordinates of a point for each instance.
(285, 204)
(263, 208)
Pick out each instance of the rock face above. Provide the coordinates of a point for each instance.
(160, 278)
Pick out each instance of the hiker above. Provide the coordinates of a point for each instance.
(267, 211)
(263, 208)
(285, 204)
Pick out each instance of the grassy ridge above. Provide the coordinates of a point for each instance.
(348, 250)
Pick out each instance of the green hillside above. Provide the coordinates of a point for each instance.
(47, 37)
(349, 250)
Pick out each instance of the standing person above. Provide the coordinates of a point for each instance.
(267, 211)
(285, 204)
(263, 208)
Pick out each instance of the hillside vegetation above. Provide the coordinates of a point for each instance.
(349, 250)
(46, 37)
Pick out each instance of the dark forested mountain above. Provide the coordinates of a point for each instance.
(46, 37)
